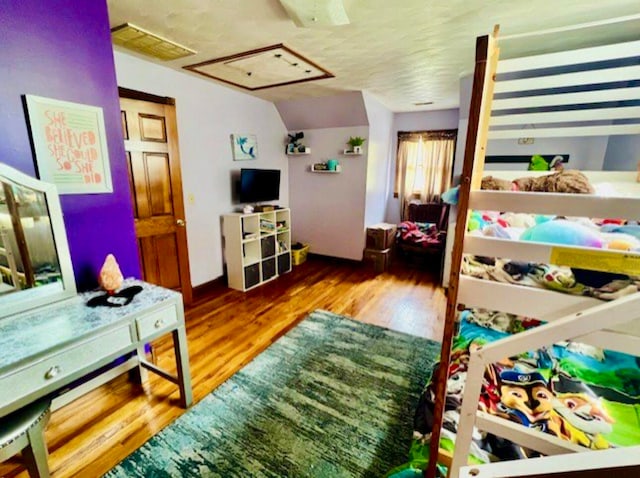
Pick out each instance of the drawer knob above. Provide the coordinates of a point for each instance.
(159, 323)
(52, 372)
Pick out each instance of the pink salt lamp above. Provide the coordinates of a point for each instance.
(110, 277)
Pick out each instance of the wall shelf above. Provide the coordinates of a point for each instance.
(346, 152)
(326, 171)
(306, 151)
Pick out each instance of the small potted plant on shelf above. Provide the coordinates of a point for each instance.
(356, 144)
(294, 145)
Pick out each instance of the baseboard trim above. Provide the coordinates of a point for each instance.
(334, 259)
(208, 287)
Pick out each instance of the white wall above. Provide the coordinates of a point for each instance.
(379, 164)
(623, 153)
(337, 111)
(207, 114)
(327, 210)
(585, 153)
(417, 121)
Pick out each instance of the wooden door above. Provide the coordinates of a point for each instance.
(151, 143)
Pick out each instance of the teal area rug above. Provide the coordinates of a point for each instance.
(332, 398)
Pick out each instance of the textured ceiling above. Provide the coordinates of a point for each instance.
(403, 51)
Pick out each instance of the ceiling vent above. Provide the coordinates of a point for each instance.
(266, 67)
(140, 40)
(316, 13)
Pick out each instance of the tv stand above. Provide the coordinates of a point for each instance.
(257, 247)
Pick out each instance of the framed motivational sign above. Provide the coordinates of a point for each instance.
(70, 145)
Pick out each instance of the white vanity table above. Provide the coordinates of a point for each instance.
(45, 349)
(49, 337)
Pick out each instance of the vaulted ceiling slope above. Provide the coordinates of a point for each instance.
(403, 52)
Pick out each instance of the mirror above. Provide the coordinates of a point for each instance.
(35, 265)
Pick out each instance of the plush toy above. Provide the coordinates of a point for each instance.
(496, 184)
(620, 245)
(518, 219)
(450, 196)
(476, 221)
(538, 163)
(569, 181)
(563, 232)
(631, 229)
(496, 230)
(540, 218)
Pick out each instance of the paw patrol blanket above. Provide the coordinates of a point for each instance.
(573, 391)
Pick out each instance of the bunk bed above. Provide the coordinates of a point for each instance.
(568, 94)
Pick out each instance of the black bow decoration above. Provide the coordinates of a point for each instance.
(118, 299)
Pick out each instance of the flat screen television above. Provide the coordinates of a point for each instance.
(259, 185)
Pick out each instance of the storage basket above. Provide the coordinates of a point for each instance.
(298, 256)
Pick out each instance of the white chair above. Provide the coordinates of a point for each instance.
(23, 430)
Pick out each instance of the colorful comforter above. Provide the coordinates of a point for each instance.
(596, 233)
(573, 391)
(601, 285)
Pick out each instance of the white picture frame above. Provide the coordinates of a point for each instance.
(244, 147)
(70, 144)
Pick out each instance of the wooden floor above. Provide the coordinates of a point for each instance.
(226, 329)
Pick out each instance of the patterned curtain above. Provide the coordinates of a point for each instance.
(424, 165)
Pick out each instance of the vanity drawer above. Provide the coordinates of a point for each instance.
(157, 321)
(58, 370)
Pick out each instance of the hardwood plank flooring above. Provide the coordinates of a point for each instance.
(226, 329)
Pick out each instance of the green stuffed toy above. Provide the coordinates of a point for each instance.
(538, 163)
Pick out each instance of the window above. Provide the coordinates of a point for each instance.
(423, 166)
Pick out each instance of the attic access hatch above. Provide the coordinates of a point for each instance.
(266, 67)
(142, 41)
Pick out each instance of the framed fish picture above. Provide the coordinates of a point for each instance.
(244, 146)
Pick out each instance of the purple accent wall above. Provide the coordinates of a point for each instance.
(62, 49)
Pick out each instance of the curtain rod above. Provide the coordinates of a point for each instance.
(434, 131)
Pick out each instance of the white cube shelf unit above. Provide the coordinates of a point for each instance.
(257, 247)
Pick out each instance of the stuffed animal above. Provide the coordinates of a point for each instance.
(538, 163)
(563, 232)
(496, 184)
(518, 219)
(569, 181)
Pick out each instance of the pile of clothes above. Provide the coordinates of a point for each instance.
(420, 233)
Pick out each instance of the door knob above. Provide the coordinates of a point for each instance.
(180, 222)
